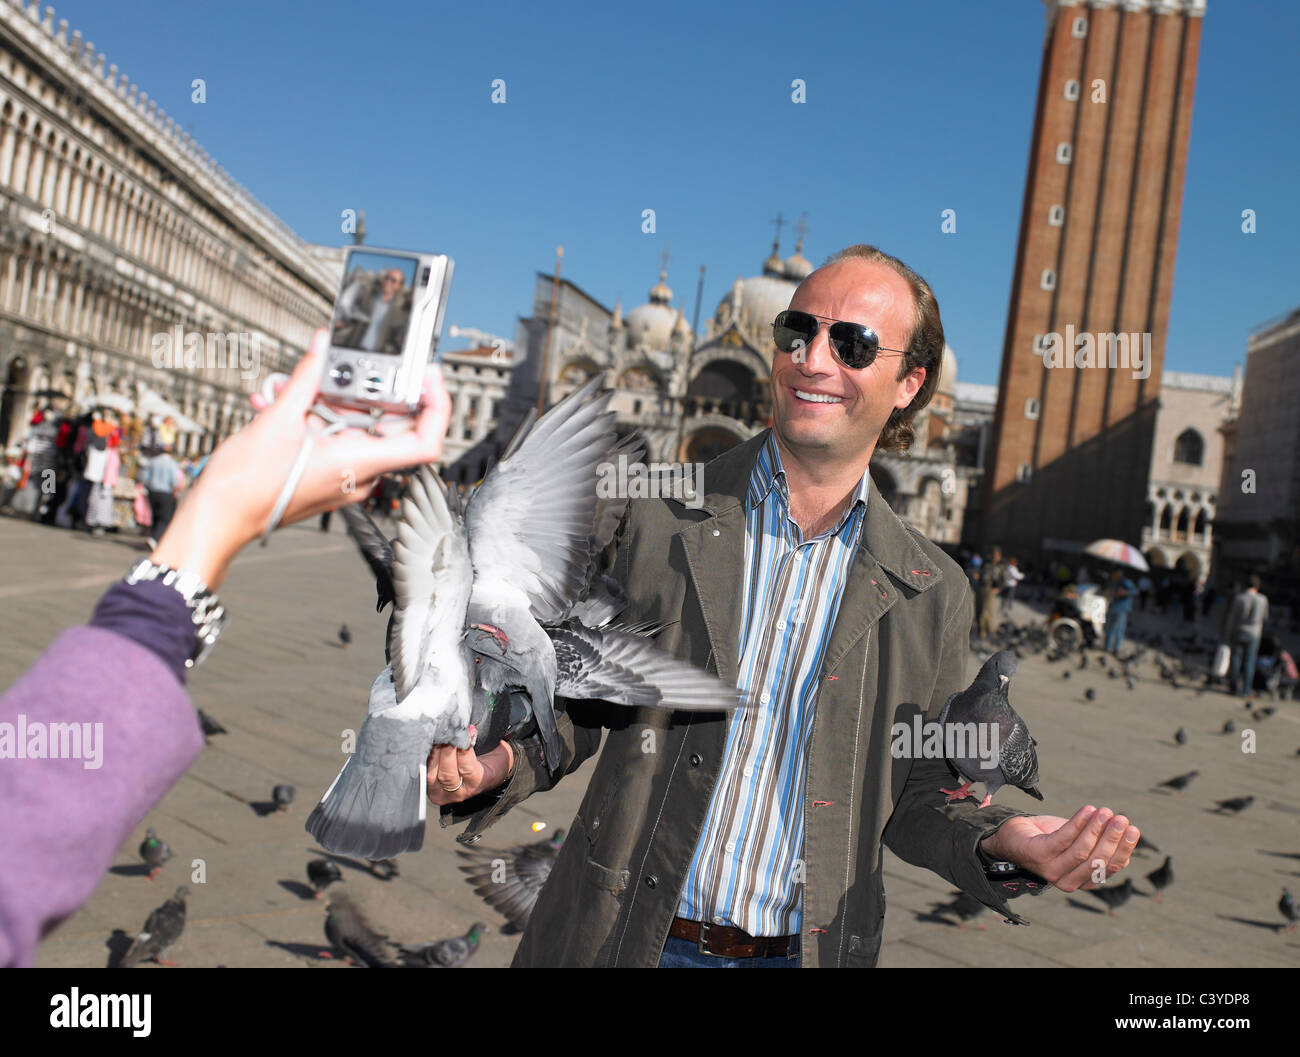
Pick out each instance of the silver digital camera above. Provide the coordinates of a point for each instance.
(384, 333)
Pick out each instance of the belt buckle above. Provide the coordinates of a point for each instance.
(702, 938)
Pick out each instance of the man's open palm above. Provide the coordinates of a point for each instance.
(1069, 853)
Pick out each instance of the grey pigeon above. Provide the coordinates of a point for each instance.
(1145, 845)
(1066, 674)
(1130, 682)
(349, 932)
(154, 852)
(1179, 782)
(1090, 694)
(985, 702)
(322, 873)
(1180, 736)
(282, 796)
(1114, 897)
(1263, 713)
(161, 930)
(345, 636)
(510, 881)
(444, 954)
(1162, 878)
(1229, 727)
(1288, 908)
(210, 726)
(1235, 806)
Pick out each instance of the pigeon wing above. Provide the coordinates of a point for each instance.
(375, 548)
(1017, 758)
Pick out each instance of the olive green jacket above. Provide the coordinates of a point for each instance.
(900, 642)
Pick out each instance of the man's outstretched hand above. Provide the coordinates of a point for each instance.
(1068, 853)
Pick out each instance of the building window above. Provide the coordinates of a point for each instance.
(1189, 448)
(1024, 473)
(1079, 28)
(1048, 279)
(1056, 216)
(1032, 408)
(1063, 153)
(1071, 90)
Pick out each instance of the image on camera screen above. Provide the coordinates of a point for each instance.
(374, 306)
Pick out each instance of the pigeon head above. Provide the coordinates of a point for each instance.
(182, 893)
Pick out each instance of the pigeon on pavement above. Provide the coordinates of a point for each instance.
(282, 795)
(1234, 806)
(1289, 911)
(1162, 878)
(345, 636)
(444, 954)
(985, 702)
(1179, 782)
(348, 931)
(1090, 694)
(322, 873)
(1180, 736)
(161, 930)
(1116, 896)
(154, 852)
(1229, 727)
(510, 881)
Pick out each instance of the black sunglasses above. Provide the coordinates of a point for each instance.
(855, 345)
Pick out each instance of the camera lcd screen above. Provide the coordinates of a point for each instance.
(373, 312)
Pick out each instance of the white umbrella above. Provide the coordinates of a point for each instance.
(156, 405)
(116, 401)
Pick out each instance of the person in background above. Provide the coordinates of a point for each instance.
(162, 477)
(1014, 576)
(1122, 593)
(64, 822)
(1144, 592)
(985, 602)
(1243, 628)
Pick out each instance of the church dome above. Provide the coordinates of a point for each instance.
(651, 324)
(797, 266)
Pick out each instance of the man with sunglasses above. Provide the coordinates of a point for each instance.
(754, 839)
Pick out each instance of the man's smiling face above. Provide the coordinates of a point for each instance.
(822, 408)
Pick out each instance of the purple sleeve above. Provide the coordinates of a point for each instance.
(126, 731)
(152, 614)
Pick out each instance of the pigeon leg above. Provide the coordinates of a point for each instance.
(960, 793)
(988, 799)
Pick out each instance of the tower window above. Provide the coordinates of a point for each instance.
(1032, 407)
(1024, 473)
(1071, 90)
(1189, 448)
(1048, 280)
(1063, 153)
(1079, 28)
(1056, 216)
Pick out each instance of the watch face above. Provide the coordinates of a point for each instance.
(207, 641)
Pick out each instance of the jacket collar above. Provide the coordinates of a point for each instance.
(884, 535)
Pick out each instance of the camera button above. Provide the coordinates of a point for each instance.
(342, 375)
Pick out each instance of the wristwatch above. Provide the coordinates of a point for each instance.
(206, 611)
(1008, 878)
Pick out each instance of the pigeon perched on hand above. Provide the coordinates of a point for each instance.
(322, 873)
(154, 852)
(1116, 896)
(444, 954)
(349, 932)
(282, 796)
(1179, 782)
(1235, 806)
(510, 881)
(985, 702)
(1162, 878)
(161, 930)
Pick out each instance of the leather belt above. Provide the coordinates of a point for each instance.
(726, 941)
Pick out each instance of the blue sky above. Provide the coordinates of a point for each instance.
(685, 108)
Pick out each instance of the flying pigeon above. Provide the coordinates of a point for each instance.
(1179, 782)
(345, 636)
(210, 726)
(348, 931)
(162, 929)
(282, 795)
(154, 852)
(1180, 736)
(322, 873)
(494, 585)
(510, 881)
(985, 701)
(1162, 878)
(1234, 806)
(444, 954)
(1289, 911)
(965, 906)
(1114, 897)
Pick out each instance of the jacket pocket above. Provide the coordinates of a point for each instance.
(864, 951)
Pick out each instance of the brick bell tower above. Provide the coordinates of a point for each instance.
(1085, 339)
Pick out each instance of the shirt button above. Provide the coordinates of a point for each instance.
(716, 532)
(765, 698)
(780, 625)
(696, 759)
(748, 771)
(651, 881)
(731, 846)
(798, 556)
(719, 920)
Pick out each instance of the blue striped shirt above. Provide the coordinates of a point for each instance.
(747, 870)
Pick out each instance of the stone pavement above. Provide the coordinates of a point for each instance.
(283, 685)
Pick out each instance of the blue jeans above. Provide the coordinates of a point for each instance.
(1115, 624)
(683, 954)
(1245, 649)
